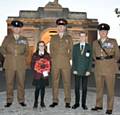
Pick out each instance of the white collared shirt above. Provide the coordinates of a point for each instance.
(82, 44)
(41, 52)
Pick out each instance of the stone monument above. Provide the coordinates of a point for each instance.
(40, 24)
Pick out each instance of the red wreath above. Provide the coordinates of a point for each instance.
(42, 65)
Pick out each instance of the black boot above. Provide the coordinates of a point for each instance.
(42, 104)
(96, 108)
(53, 104)
(67, 105)
(35, 105)
(85, 107)
(8, 104)
(108, 111)
(23, 104)
(75, 106)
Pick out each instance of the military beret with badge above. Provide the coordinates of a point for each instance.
(103, 26)
(61, 21)
(16, 23)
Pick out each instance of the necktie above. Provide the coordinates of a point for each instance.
(82, 47)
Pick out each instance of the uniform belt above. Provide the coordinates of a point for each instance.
(104, 57)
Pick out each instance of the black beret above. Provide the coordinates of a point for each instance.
(61, 21)
(16, 23)
(103, 26)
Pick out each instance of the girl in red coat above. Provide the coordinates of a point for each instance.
(41, 70)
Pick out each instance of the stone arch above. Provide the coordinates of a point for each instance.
(46, 36)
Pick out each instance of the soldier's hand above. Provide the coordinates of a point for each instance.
(71, 62)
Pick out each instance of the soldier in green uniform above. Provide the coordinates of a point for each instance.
(81, 65)
(106, 54)
(15, 49)
(61, 52)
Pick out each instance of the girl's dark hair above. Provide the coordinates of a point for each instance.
(37, 49)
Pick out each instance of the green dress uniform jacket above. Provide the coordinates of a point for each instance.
(82, 62)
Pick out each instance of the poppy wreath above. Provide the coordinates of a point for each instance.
(42, 65)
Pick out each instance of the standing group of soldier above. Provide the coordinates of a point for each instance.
(105, 53)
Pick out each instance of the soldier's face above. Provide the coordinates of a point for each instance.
(61, 28)
(103, 33)
(16, 30)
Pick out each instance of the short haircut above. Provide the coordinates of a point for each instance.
(82, 32)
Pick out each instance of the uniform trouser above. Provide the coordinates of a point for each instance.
(10, 78)
(66, 77)
(110, 83)
(84, 89)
